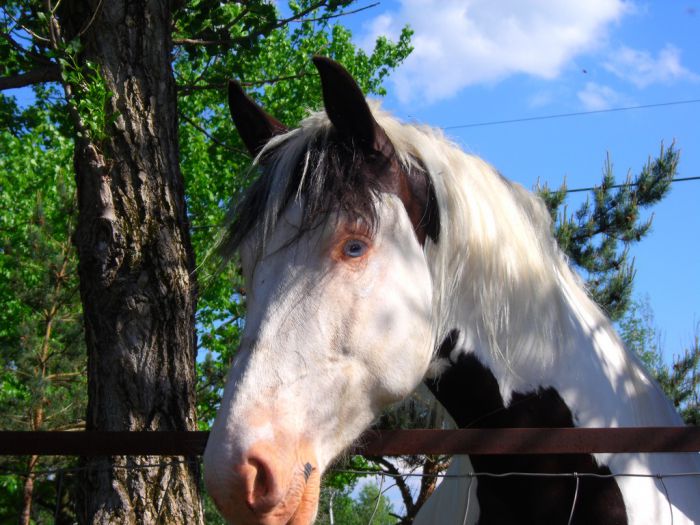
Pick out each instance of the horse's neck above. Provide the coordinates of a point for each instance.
(598, 378)
(575, 372)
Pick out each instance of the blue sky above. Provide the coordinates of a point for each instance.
(480, 61)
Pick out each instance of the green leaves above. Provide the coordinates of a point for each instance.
(368, 506)
(40, 325)
(90, 95)
(42, 353)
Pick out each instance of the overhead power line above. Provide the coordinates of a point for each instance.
(593, 188)
(572, 190)
(574, 114)
(549, 117)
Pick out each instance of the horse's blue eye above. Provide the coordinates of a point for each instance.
(355, 248)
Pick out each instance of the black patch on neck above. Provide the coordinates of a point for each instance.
(448, 344)
(469, 392)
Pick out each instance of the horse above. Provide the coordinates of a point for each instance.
(378, 256)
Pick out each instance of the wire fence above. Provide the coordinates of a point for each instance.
(64, 476)
(576, 476)
(139, 451)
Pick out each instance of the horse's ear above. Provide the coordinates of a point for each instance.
(255, 126)
(346, 106)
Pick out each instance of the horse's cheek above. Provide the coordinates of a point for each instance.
(396, 332)
(371, 276)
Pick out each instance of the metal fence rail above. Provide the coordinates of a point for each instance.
(375, 442)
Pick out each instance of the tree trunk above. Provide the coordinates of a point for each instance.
(136, 265)
(25, 516)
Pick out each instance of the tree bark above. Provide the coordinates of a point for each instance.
(25, 516)
(136, 266)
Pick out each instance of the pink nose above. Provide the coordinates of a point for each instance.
(261, 481)
(267, 485)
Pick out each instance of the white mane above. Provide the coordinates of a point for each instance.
(498, 274)
(502, 281)
(495, 250)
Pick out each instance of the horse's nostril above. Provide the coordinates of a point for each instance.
(260, 477)
(261, 487)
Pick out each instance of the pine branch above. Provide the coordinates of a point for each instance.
(598, 235)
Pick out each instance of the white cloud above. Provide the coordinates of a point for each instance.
(465, 42)
(541, 99)
(642, 69)
(596, 96)
(384, 25)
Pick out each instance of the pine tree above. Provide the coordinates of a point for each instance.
(42, 351)
(680, 380)
(598, 235)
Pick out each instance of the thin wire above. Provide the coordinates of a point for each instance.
(331, 518)
(59, 490)
(379, 497)
(471, 476)
(574, 114)
(525, 474)
(668, 499)
(469, 499)
(4, 471)
(679, 179)
(573, 504)
(50, 472)
(573, 190)
(54, 471)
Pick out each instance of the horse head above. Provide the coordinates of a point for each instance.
(339, 300)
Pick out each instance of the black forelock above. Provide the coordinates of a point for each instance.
(332, 178)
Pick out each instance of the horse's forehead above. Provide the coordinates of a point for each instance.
(263, 238)
(290, 237)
